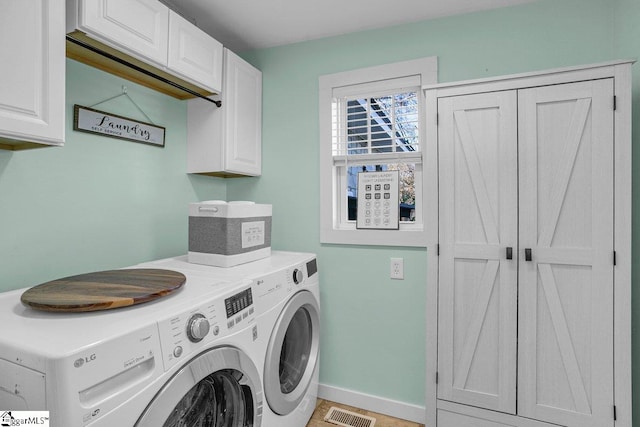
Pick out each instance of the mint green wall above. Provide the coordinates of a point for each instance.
(374, 327)
(97, 203)
(103, 203)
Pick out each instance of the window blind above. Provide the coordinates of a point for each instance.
(377, 124)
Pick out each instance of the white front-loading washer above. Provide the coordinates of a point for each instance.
(287, 299)
(186, 359)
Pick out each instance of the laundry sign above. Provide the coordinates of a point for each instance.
(87, 119)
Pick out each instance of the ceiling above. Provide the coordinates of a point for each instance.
(253, 24)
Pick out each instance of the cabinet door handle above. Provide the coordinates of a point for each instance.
(527, 254)
(509, 252)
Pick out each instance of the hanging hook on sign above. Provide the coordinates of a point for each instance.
(124, 93)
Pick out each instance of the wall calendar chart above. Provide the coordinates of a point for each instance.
(378, 200)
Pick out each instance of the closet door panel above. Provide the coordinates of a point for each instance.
(478, 221)
(565, 336)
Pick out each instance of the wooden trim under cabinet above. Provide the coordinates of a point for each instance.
(223, 174)
(17, 145)
(96, 60)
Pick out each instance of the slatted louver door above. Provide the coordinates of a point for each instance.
(565, 336)
(478, 221)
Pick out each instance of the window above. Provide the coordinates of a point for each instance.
(377, 131)
(372, 120)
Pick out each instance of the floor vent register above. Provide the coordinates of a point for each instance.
(348, 419)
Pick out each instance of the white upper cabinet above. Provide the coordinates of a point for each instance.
(243, 131)
(193, 54)
(148, 35)
(137, 26)
(32, 87)
(227, 141)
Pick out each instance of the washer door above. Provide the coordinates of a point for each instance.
(292, 353)
(218, 388)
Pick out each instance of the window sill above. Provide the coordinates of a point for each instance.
(408, 236)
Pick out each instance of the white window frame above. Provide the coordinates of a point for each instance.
(334, 228)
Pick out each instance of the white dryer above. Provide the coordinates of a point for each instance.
(287, 300)
(186, 359)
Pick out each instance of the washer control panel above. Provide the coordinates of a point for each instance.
(189, 331)
(236, 307)
(197, 327)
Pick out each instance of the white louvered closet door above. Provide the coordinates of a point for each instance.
(478, 221)
(565, 335)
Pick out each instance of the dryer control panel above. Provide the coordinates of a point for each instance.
(272, 288)
(186, 333)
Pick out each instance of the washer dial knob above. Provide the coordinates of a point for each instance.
(297, 276)
(197, 327)
(177, 352)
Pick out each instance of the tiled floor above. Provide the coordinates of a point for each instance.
(381, 420)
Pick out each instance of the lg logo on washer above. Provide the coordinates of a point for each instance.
(80, 362)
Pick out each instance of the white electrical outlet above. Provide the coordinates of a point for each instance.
(397, 268)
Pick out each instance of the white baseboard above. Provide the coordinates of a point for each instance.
(377, 404)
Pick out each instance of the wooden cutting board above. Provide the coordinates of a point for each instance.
(103, 290)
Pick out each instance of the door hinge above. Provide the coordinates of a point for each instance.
(438, 249)
(615, 413)
(437, 119)
(615, 258)
(437, 379)
(615, 102)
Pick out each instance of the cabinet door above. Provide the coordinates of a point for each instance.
(565, 334)
(477, 149)
(139, 27)
(242, 103)
(32, 77)
(194, 54)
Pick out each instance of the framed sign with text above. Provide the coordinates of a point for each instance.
(88, 120)
(378, 200)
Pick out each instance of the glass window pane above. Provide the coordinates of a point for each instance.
(383, 124)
